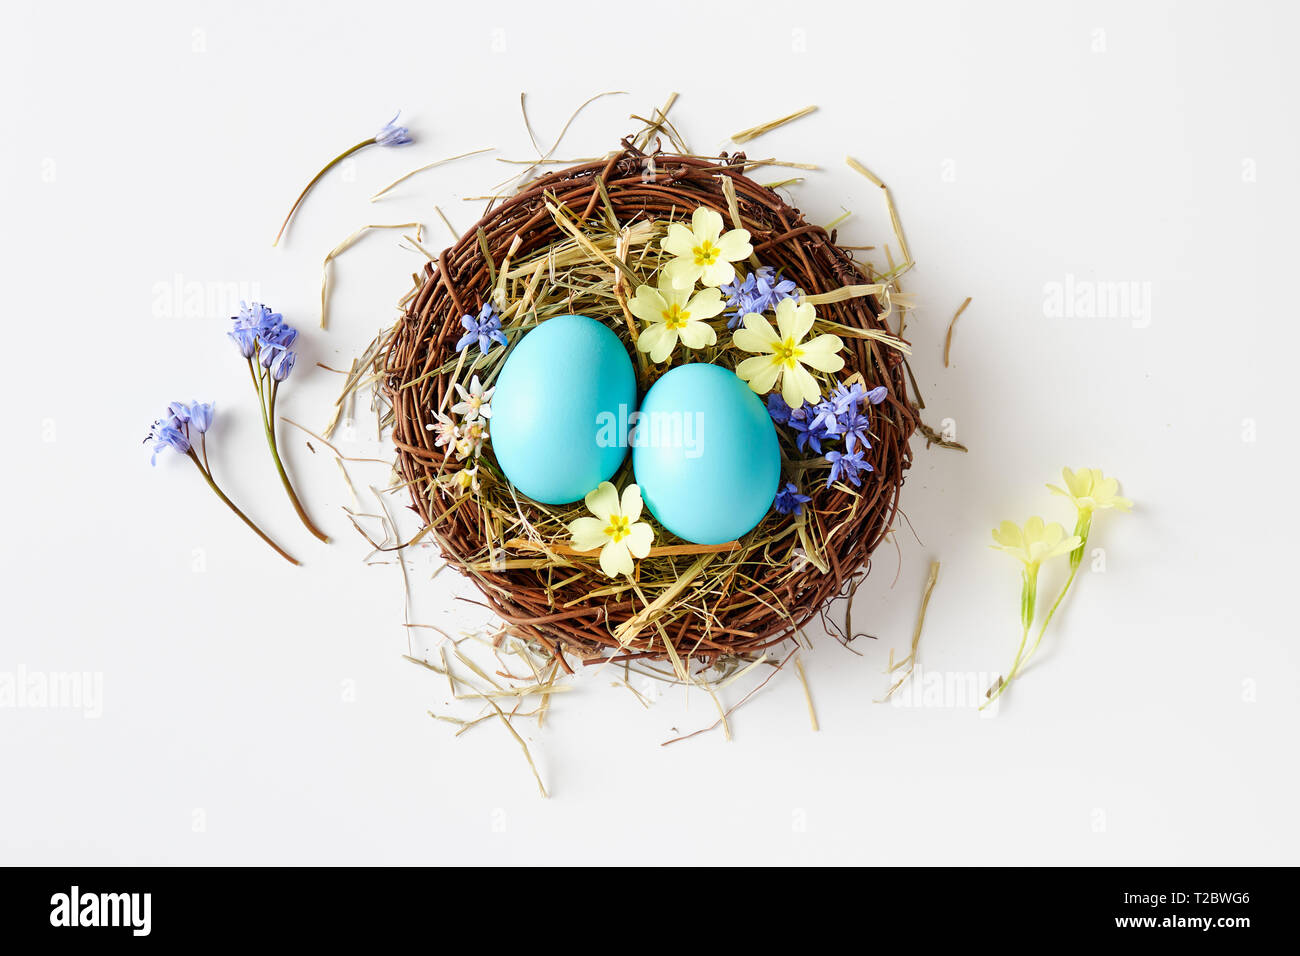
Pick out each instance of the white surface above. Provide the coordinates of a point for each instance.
(163, 147)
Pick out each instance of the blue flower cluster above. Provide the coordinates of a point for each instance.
(173, 429)
(484, 331)
(759, 291)
(262, 334)
(840, 416)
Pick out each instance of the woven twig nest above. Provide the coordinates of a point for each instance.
(708, 605)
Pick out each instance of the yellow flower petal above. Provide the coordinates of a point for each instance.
(671, 294)
(1008, 535)
(760, 372)
(602, 501)
(630, 503)
(658, 340)
(588, 534)
(720, 273)
(1079, 483)
(615, 559)
(798, 386)
(682, 273)
(696, 335)
(794, 319)
(679, 241)
(647, 304)
(706, 304)
(734, 245)
(822, 353)
(706, 223)
(756, 336)
(640, 538)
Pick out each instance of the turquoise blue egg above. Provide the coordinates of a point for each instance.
(555, 399)
(705, 454)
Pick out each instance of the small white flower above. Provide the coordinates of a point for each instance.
(614, 529)
(460, 481)
(674, 314)
(702, 253)
(471, 438)
(473, 404)
(445, 431)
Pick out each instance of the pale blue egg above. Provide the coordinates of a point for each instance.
(555, 413)
(705, 454)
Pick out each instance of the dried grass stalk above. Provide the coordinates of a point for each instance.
(745, 135)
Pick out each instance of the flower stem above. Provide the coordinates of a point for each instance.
(1074, 570)
(261, 399)
(1028, 602)
(317, 178)
(207, 476)
(1011, 674)
(269, 422)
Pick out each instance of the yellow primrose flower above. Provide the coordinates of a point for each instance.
(1035, 543)
(1090, 490)
(674, 314)
(614, 529)
(703, 252)
(784, 353)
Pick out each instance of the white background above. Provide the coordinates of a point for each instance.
(253, 712)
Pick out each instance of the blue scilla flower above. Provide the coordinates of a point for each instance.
(393, 135)
(844, 397)
(283, 364)
(196, 415)
(854, 425)
(277, 333)
(739, 293)
(769, 289)
(484, 330)
(168, 432)
(255, 316)
(808, 434)
(245, 340)
(778, 409)
(877, 395)
(789, 500)
(848, 465)
(760, 291)
(201, 416)
(390, 135)
(175, 430)
(256, 325)
(825, 416)
(262, 334)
